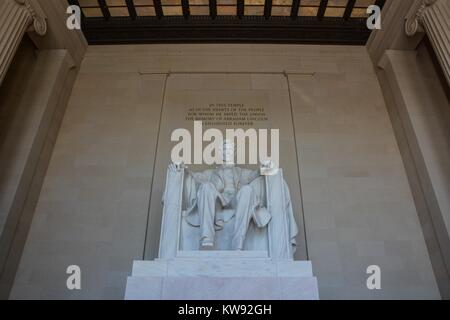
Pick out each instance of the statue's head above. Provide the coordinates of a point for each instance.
(228, 152)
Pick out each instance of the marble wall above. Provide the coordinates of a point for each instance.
(358, 207)
(185, 91)
(420, 110)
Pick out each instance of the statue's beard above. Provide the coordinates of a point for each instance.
(228, 163)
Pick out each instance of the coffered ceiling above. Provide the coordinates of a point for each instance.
(251, 21)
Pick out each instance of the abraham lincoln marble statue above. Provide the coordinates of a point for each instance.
(227, 233)
(226, 208)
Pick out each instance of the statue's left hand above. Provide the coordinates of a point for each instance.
(268, 168)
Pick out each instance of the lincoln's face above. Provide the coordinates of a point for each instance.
(228, 152)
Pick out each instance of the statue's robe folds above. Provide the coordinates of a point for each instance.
(225, 211)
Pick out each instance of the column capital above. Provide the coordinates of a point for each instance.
(432, 17)
(414, 19)
(39, 21)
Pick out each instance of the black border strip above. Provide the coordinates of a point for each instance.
(225, 29)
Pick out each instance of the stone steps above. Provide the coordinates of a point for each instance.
(220, 278)
(180, 267)
(221, 288)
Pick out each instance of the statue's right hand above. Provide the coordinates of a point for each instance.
(175, 167)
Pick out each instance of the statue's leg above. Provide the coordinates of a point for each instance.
(246, 203)
(206, 202)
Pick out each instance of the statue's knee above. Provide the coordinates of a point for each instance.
(207, 186)
(245, 190)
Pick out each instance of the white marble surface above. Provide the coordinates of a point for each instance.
(229, 288)
(358, 209)
(222, 268)
(231, 279)
(229, 254)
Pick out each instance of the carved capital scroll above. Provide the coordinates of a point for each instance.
(39, 22)
(433, 18)
(16, 16)
(414, 21)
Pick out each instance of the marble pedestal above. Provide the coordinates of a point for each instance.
(222, 276)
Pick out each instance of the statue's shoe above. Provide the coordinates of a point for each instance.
(207, 245)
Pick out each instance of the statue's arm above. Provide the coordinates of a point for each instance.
(249, 177)
(218, 182)
(255, 174)
(196, 176)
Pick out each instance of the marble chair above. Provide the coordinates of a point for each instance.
(178, 236)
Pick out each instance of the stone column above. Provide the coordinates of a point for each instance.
(16, 16)
(433, 18)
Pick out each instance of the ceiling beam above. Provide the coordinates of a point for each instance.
(185, 7)
(294, 9)
(213, 8)
(104, 9)
(267, 9)
(240, 9)
(158, 9)
(131, 9)
(322, 8)
(349, 9)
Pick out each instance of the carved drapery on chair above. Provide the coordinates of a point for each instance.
(433, 18)
(16, 17)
